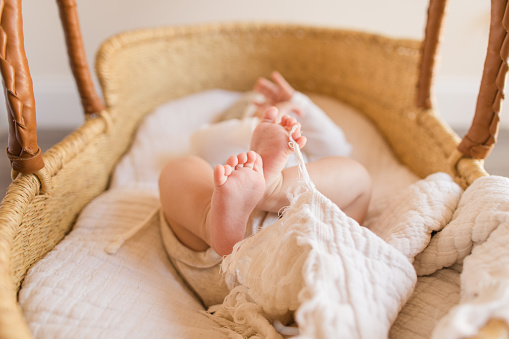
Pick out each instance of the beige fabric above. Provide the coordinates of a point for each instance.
(201, 270)
(433, 297)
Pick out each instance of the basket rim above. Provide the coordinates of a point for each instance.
(132, 38)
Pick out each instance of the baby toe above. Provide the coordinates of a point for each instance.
(232, 161)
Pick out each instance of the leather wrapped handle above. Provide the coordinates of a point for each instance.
(22, 150)
(429, 50)
(77, 58)
(481, 137)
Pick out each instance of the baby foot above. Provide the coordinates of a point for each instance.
(270, 140)
(239, 185)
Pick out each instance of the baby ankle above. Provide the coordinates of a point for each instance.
(273, 198)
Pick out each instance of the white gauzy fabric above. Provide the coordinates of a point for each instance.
(417, 211)
(477, 216)
(483, 217)
(340, 279)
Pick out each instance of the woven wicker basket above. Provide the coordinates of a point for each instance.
(386, 79)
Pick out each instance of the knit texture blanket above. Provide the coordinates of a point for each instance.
(478, 238)
(337, 279)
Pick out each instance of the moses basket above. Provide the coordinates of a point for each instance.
(389, 80)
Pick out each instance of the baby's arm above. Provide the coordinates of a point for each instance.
(275, 92)
(325, 138)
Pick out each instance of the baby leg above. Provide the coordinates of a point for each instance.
(270, 140)
(344, 181)
(208, 207)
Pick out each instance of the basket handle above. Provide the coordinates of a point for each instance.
(22, 150)
(77, 58)
(481, 137)
(429, 48)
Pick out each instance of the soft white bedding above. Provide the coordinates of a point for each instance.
(480, 226)
(79, 291)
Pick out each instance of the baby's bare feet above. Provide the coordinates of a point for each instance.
(239, 185)
(270, 140)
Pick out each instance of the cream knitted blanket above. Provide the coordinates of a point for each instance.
(477, 237)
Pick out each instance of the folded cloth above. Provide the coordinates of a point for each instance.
(482, 226)
(316, 265)
(477, 216)
(420, 209)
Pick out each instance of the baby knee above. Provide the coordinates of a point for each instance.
(179, 171)
(363, 179)
(358, 174)
(182, 164)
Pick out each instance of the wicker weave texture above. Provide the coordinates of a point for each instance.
(374, 74)
(33, 222)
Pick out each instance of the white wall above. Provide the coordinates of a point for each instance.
(58, 105)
